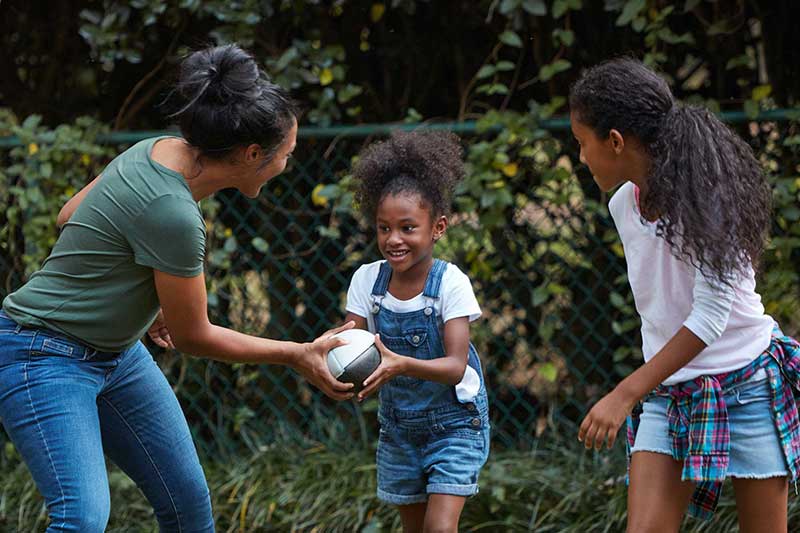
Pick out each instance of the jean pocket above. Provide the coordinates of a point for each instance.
(50, 345)
(471, 425)
(412, 344)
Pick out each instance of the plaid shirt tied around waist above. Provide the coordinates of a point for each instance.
(698, 420)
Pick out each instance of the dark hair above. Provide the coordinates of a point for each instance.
(226, 101)
(424, 163)
(705, 186)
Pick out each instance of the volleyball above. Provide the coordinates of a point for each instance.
(353, 362)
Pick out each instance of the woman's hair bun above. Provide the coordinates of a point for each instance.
(225, 100)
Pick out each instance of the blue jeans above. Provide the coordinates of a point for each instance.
(64, 406)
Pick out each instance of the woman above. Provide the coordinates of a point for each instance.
(75, 380)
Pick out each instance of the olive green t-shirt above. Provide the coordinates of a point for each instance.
(97, 284)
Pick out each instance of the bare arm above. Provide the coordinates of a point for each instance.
(359, 321)
(607, 415)
(184, 305)
(73, 203)
(677, 353)
(448, 369)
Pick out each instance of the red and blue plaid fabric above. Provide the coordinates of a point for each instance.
(698, 420)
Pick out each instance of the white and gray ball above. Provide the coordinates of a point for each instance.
(355, 361)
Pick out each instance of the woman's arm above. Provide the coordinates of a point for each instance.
(448, 369)
(73, 203)
(184, 305)
(607, 415)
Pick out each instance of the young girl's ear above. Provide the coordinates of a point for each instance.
(439, 227)
(617, 141)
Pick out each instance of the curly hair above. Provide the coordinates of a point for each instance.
(706, 188)
(426, 163)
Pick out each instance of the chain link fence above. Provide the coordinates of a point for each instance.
(558, 326)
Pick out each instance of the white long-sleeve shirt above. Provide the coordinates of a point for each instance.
(670, 293)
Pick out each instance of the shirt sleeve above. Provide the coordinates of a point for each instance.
(358, 294)
(458, 298)
(169, 235)
(711, 308)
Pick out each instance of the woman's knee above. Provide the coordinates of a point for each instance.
(188, 509)
(87, 513)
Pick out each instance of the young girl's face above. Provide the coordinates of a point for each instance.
(598, 154)
(407, 231)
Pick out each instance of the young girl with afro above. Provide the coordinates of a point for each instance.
(434, 435)
(714, 397)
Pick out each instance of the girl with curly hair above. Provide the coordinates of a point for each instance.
(434, 435)
(714, 397)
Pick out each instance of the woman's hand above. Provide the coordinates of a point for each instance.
(604, 419)
(159, 333)
(392, 364)
(312, 363)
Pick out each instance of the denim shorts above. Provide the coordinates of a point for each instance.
(439, 451)
(755, 452)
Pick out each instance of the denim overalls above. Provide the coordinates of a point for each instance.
(430, 442)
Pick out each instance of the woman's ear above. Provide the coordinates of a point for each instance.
(617, 141)
(253, 153)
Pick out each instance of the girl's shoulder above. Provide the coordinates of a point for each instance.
(367, 272)
(622, 199)
(454, 277)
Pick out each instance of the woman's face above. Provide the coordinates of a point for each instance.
(598, 154)
(256, 174)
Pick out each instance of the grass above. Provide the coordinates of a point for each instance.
(288, 487)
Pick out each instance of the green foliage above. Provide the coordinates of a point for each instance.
(314, 487)
(311, 63)
(39, 177)
(530, 227)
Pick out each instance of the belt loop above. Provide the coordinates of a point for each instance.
(88, 353)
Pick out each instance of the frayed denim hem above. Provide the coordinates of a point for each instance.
(759, 476)
(651, 450)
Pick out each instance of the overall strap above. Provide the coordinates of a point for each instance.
(434, 282)
(382, 281)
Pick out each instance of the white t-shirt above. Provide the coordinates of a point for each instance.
(456, 299)
(670, 293)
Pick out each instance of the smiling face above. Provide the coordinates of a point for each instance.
(407, 232)
(256, 173)
(602, 156)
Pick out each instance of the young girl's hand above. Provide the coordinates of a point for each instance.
(604, 419)
(392, 364)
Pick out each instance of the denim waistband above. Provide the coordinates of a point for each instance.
(477, 407)
(49, 342)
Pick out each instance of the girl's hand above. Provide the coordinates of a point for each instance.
(312, 363)
(159, 333)
(604, 419)
(392, 364)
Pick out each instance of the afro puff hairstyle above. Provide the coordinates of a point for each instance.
(426, 163)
